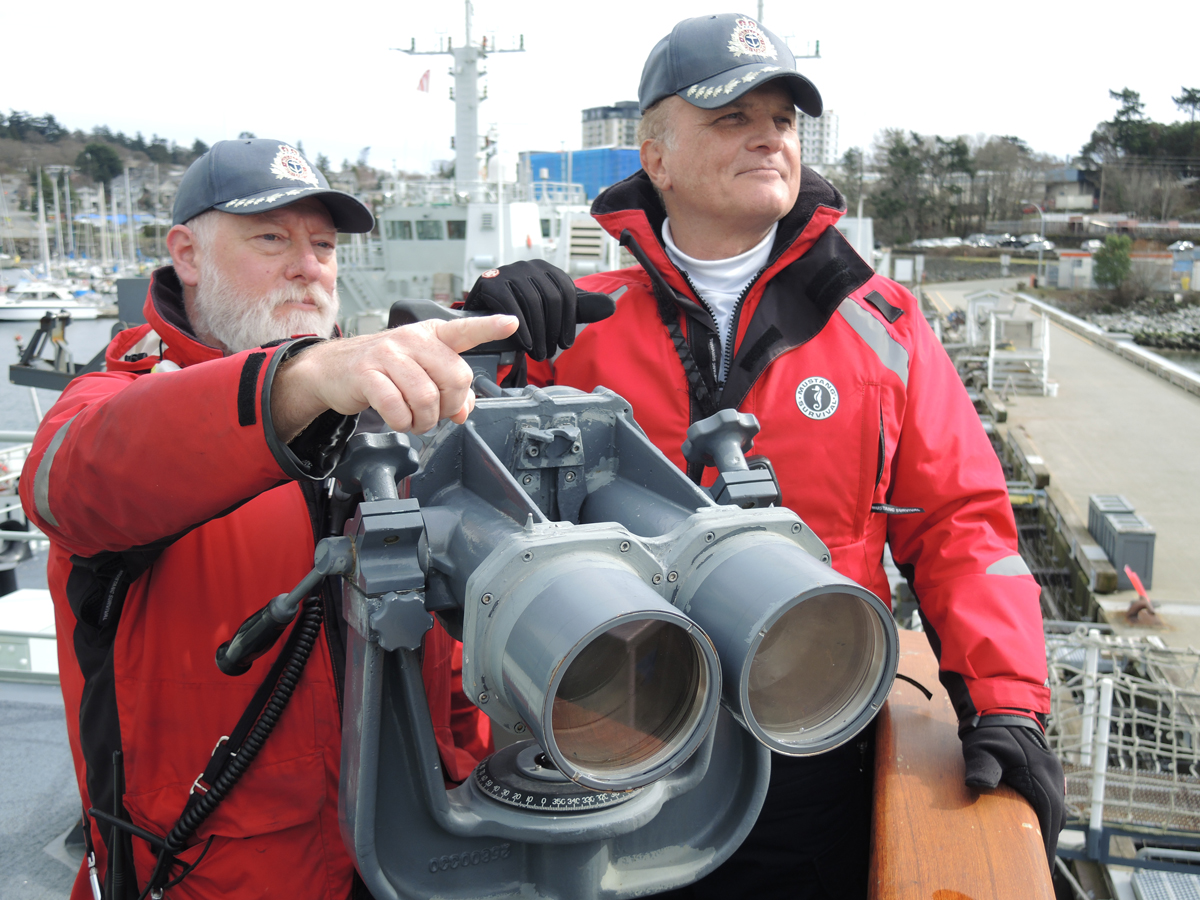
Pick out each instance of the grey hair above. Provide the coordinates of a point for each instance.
(655, 124)
(204, 226)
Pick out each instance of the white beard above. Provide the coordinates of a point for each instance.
(240, 321)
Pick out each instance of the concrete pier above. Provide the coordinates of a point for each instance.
(1115, 428)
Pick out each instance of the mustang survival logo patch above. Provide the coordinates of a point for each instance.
(817, 398)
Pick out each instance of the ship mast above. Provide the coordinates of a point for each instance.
(466, 97)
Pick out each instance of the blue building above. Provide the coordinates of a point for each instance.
(595, 168)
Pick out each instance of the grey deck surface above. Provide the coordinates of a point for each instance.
(38, 798)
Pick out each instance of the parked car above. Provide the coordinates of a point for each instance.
(1011, 243)
(1091, 245)
(1030, 238)
(1181, 246)
(982, 240)
(950, 242)
(1042, 245)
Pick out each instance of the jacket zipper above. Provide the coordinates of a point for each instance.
(727, 347)
(727, 351)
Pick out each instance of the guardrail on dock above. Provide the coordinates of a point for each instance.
(1122, 346)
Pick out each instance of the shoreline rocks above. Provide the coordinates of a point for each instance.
(1176, 328)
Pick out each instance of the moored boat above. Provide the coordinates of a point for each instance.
(30, 300)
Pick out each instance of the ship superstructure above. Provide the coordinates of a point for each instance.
(436, 237)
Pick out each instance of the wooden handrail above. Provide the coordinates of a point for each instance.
(932, 837)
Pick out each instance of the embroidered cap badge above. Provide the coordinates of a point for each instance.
(749, 40)
(290, 164)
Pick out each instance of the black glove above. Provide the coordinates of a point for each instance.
(539, 295)
(1019, 756)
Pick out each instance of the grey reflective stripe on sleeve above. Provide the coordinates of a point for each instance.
(41, 480)
(1009, 565)
(871, 330)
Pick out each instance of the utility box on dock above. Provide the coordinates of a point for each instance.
(1126, 537)
(1100, 505)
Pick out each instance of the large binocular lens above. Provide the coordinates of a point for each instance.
(616, 685)
(628, 696)
(816, 669)
(807, 655)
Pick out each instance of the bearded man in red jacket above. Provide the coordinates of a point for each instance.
(747, 297)
(185, 486)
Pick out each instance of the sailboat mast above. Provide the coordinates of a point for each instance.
(105, 253)
(43, 239)
(66, 176)
(133, 244)
(117, 249)
(9, 241)
(59, 245)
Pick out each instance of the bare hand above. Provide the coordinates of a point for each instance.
(412, 376)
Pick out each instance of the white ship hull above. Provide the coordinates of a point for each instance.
(33, 310)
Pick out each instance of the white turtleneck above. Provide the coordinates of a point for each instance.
(721, 281)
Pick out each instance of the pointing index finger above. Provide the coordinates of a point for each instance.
(460, 335)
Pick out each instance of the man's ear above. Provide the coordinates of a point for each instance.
(181, 244)
(653, 155)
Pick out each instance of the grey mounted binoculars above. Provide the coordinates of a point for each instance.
(647, 646)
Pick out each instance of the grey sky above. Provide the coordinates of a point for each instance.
(324, 74)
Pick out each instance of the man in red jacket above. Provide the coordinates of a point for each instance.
(185, 486)
(747, 297)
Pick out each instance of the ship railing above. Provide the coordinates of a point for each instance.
(1125, 723)
(361, 252)
(460, 193)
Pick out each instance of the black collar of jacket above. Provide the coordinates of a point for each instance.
(797, 301)
(167, 294)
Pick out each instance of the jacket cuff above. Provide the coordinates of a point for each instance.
(315, 452)
(1022, 718)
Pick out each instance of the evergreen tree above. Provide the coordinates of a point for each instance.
(100, 162)
(1112, 261)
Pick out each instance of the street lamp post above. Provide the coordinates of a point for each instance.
(1041, 243)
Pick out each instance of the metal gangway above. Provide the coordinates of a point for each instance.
(1015, 338)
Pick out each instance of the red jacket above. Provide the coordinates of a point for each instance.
(819, 321)
(174, 484)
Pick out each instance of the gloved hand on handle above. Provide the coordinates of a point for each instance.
(541, 296)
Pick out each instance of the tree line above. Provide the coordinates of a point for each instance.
(21, 126)
(916, 185)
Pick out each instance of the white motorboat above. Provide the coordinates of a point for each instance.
(30, 300)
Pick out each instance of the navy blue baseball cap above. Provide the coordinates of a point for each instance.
(712, 60)
(244, 177)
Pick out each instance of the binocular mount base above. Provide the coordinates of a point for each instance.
(521, 775)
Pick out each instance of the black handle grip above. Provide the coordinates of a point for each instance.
(253, 638)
